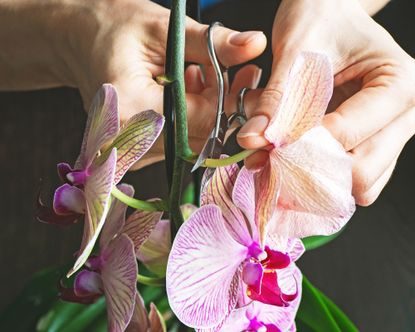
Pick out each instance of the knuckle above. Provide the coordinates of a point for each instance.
(338, 127)
(362, 180)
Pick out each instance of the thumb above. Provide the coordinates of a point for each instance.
(232, 47)
(251, 135)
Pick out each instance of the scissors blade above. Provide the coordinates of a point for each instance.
(214, 145)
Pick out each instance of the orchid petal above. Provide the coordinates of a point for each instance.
(243, 197)
(98, 196)
(88, 283)
(139, 226)
(316, 187)
(139, 321)
(295, 249)
(267, 188)
(270, 291)
(116, 216)
(219, 191)
(48, 215)
(202, 273)
(102, 125)
(135, 139)
(63, 170)
(252, 274)
(119, 278)
(155, 250)
(276, 259)
(156, 320)
(69, 200)
(282, 317)
(305, 99)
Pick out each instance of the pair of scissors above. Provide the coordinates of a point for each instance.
(215, 143)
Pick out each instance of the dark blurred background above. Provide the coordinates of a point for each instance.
(369, 271)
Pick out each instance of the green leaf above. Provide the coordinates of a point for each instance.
(58, 316)
(84, 318)
(38, 295)
(188, 196)
(318, 313)
(314, 242)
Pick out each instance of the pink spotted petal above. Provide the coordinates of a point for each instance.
(139, 321)
(98, 196)
(116, 216)
(119, 278)
(102, 125)
(155, 250)
(252, 274)
(267, 189)
(237, 321)
(316, 187)
(69, 200)
(219, 191)
(135, 139)
(139, 226)
(304, 101)
(202, 272)
(88, 283)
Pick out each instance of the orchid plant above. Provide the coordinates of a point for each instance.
(230, 264)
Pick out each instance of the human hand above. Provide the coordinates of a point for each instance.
(123, 42)
(374, 99)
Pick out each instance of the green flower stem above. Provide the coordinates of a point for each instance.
(236, 158)
(137, 204)
(176, 38)
(160, 282)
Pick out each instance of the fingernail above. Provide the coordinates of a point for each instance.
(254, 127)
(257, 78)
(243, 38)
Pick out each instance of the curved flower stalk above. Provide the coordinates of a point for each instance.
(107, 152)
(218, 252)
(308, 173)
(113, 272)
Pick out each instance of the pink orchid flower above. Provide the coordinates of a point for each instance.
(107, 153)
(307, 181)
(114, 271)
(260, 317)
(217, 251)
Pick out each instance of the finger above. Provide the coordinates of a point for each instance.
(375, 155)
(232, 47)
(257, 160)
(246, 77)
(370, 196)
(366, 112)
(251, 135)
(193, 79)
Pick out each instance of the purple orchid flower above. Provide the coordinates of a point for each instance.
(113, 272)
(107, 153)
(218, 251)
